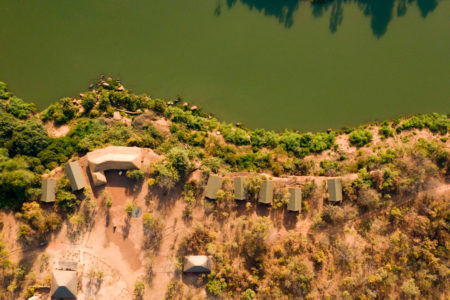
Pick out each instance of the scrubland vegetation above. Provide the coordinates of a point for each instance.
(386, 240)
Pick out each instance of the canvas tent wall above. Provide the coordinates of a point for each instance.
(266, 192)
(240, 192)
(295, 200)
(197, 264)
(334, 190)
(48, 190)
(64, 285)
(73, 172)
(213, 186)
(112, 158)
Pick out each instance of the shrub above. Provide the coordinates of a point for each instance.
(19, 108)
(139, 288)
(409, 288)
(434, 122)
(360, 137)
(385, 131)
(216, 286)
(28, 138)
(129, 208)
(153, 228)
(135, 174)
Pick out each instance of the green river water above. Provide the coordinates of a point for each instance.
(274, 64)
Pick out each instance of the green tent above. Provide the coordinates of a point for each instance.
(295, 201)
(334, 190)
(213, 186)
(73, 172)
(240, 192)
(48, 190)
(266, 192)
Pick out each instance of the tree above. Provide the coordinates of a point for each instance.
(28, 138)
(179, 159)
(20, 108)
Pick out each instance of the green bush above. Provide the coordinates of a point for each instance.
(4, 94)
(385, 131)
(434, 122)
(28, 138)
(61, 112)
(135, 174)
(216, 287)
(20, 108)
(360, 137)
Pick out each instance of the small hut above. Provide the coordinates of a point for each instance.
(197, 264)
(48, 190)
(213, 186)
(240, 192)
(266, 192)
(73, 172)
(334, 190)
(295, 201)
(64, 285)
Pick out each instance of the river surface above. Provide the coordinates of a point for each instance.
(275, 64)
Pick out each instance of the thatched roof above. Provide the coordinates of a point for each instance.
(213, 186)
(48, 190)
(197, 264)
(295, 201)
(64, 284)
(266, 192)
(334, 189)
(112, 158)
(240, 192)
(73, 172)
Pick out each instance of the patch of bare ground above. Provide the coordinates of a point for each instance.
(56, 130)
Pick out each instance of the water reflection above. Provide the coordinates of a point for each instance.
(380, 12)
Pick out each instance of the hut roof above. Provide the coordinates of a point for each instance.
(112, 158)
(266, 192)
(213, 186)
(64, 284)
(334, 189)
(240, 192)
(197, 264)
(295, 201)
(48, 190)
(73, 171)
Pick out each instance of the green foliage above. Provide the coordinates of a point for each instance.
(179, 159)
(38, 222)
(139, 288)
(65, 200)
(129, 208)
(135, 174)
(409, 288)
(304, 144)
(153, 230)
(60, 112)
(234, 135)
(166, 176)
(19, 108)
(434, 122)
(18, 181)
(255, 246)
(386, 131)
(216, 286)
(28, 138)
(4, 94)
(249, 294)
(360, 137)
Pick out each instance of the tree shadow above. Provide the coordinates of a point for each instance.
(379, 12)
